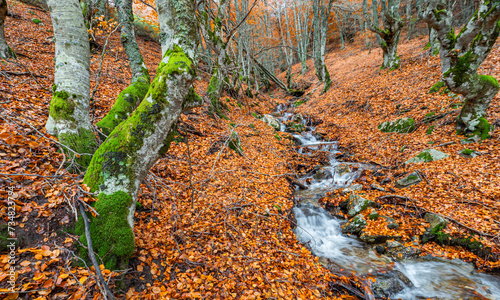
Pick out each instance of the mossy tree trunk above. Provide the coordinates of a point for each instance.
(130, 97)
(69, 108)
(124, 159)
(461, 56)
(5, 50)
(433, 42)
(321, 13)
(212, 31)
(390, 31)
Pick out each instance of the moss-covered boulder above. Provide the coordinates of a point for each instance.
(468, 153)
(437, 224)
(356, 204)
(355, 226)
(427, 156)
(352, 188)
(411, 179)
(271, 121)
(295, 127)
(403, 125)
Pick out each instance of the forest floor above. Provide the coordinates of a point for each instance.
(213, 223)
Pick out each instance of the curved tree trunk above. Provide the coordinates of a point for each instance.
(124, 159)
(129, 98)
(5, 50)
(462, 55)
(390, 32)
(389, 47)
(69, 108)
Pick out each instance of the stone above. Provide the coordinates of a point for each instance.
(373, 215)
(356, 204)
(468, 153)
(393, 225)
(323, 173)
(470, 140)
(376, 238)
(399, 251)
(411, 179)
(390, 283)
(342, 169)
(298, 118)
(271, 121)
(435, 220)
(427, 156)
(403, 125)
(352, 188)
(355, 226)
(295, 127)
(437, 224)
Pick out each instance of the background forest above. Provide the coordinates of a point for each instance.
(173, 149)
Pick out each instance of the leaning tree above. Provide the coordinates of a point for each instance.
(389, 33)
(461, 56)
(122, 161)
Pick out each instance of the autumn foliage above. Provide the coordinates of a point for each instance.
(212, 223)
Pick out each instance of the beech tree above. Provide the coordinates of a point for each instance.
(5, 50)
(390, 31)
(69, 117)
(129, 98)
(122, 161)
(321, 13)
(461, 56)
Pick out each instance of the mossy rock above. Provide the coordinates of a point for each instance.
(468, 153)
(271, 121)
(403, 125)
(427, 156)
(295, 127)
(357, 204)
(355, 226)
(411, 179)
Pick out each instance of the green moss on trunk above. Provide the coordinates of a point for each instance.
(62, 106)
(112, 237)
(125, 104)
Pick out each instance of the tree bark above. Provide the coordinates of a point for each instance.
(69, 108)
(129, 98)
(462, 55)
(124, 159)
(389, 33)
(5, 50)
(321, 12)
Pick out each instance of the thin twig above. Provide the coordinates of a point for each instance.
(100, 70)
(92, 255)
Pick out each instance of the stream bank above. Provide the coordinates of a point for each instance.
(394, 267)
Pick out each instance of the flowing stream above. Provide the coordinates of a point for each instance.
(420, 278)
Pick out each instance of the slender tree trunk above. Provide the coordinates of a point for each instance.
(129, 98)
(124, 159)
(5, 50)
(69, 108)
(321, 12)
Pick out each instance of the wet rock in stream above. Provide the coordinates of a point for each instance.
(356, 204)
(390, 283)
